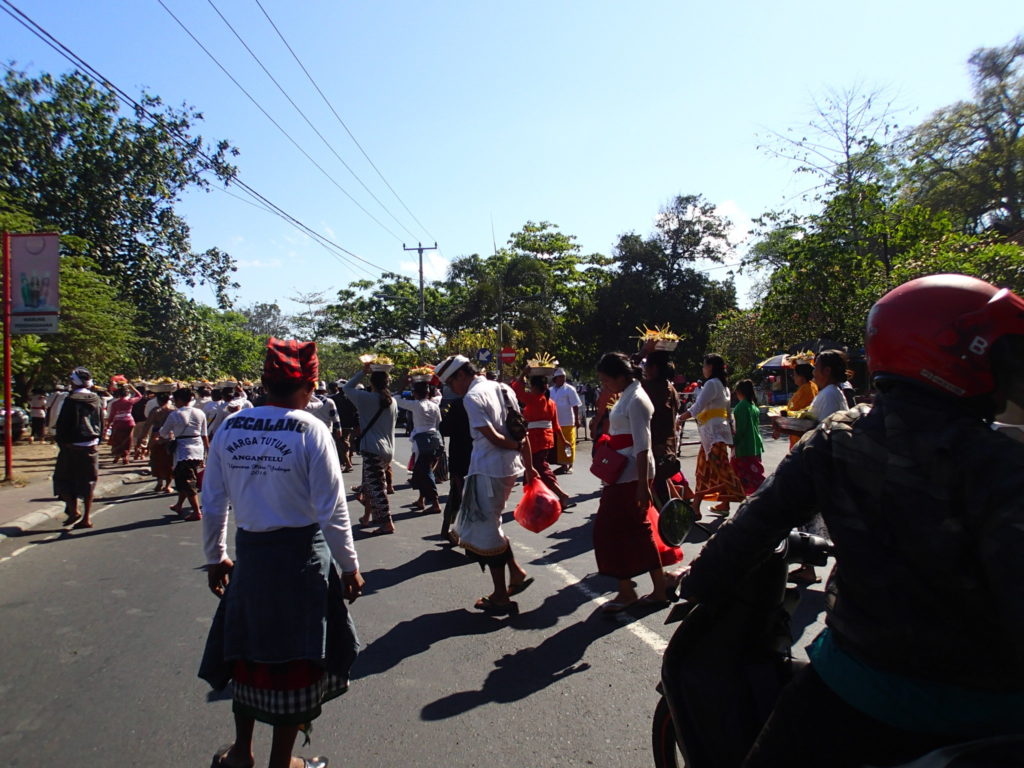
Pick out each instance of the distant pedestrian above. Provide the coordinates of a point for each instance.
(377, 415)
(568, 402)
(122, 423)
(282, 634)
(79, 427)
(541, 416)
(455, 426)
(37, 412)
(625, 541)
(348, 418)
(426, 418)
(716, 478)
(161, 457)
(747, 445)
(657, 384)
(187, 427)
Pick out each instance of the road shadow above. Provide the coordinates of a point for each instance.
(568, 543)
(415, 636)
(530, 670)
(418, 635)
(426, 562)
(70, 535)
(812, 603)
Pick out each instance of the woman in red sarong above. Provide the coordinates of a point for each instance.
(625, 529)
(161, 462)
(122, 423)
(541, 416)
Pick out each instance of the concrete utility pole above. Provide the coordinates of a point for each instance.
(421, 248)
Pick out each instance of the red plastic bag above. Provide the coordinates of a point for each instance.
(539, 507)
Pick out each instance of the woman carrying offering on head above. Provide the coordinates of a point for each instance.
(377, 415)
(541, 416)
(426, 418)
(625, 539)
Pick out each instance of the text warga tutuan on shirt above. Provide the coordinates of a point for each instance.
(277, 468)
(484, 405)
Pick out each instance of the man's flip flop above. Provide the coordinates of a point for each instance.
(515, 589)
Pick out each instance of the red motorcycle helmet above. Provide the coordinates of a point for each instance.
(939, 331)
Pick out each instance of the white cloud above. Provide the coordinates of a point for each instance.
(329, 231)
(435, 267)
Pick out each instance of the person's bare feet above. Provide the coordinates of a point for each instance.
(83, 523)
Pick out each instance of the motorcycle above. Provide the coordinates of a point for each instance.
(728, 661)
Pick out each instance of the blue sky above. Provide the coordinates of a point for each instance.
(591, 115)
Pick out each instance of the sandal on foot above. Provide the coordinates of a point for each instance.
(650, 601)
(381, 532)
(72, 519)
(515, 589)
(82, 524)
(487, 605)
(314, 762)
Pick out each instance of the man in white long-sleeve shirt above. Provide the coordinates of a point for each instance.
(282, 632)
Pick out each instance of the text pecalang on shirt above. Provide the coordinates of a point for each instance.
(255, 424)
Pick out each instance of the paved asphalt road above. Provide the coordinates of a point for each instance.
(101, 633)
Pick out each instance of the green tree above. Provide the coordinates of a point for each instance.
(653, 281)
(967, 159)
(265, 320)
(76, 164)
(739, 336)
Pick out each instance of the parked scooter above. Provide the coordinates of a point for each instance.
(727, 662)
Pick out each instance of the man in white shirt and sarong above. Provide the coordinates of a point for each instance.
(567, 399)
(282, 633)
(496, 462)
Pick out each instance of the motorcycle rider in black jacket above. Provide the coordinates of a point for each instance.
(925, 504)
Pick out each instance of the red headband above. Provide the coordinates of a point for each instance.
(290, 361)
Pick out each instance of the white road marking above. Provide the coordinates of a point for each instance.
(650, 638)
(28, 547)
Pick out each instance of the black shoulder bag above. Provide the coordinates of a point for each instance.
(515, 423)
(369, 426)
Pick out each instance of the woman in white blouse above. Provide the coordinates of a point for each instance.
(716, 478)
(829, 373)
(426, 418)
(625, 542)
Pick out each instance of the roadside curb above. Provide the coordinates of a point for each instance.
(54, 511)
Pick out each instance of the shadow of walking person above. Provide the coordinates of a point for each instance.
(527, 671)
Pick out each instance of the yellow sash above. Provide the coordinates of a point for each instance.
(712, 413)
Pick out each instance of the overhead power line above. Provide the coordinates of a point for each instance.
(342, 122)
(276, 124)
(304, 117)
(87, 70)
